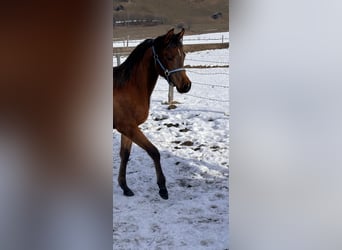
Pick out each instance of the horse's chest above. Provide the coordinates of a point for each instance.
(134, 112)
(141, 113)
(130, 109)
(139, 105)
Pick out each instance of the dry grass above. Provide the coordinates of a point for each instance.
(194, 15)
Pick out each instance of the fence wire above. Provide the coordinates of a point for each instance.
(205, 61)
(207, 98)
(212, 85)
(207, 73)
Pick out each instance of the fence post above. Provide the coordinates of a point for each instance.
(170, 95)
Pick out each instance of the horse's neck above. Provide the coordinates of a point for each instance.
(149, 79)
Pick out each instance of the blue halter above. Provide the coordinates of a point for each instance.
(167, 72)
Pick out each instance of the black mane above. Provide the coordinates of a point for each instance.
(122, 73)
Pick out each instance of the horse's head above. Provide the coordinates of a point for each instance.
(169, 56)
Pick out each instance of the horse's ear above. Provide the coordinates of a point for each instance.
(168, 36)
(181, 34)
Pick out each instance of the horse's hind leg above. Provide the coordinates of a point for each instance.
(140, 139)
(125, 151)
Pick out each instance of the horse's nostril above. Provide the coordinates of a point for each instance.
(188, 87)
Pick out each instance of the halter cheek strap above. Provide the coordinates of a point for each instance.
(167, 72)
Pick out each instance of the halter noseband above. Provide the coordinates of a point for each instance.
(167, 72)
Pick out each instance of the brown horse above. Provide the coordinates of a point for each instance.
(133, 83)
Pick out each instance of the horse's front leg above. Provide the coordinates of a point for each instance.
(140, 139)
(125, 151)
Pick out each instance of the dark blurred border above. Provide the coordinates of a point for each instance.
(56, 125)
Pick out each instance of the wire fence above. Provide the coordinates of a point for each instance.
(211, 85)
(197, 96)
(222, 86)
(204, 40)
(207, 73)
(127, 42)
(205, 61)
(205, 70)
(208, 98)
(188, 62)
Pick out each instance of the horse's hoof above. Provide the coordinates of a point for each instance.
(164, 194)
(128, 192)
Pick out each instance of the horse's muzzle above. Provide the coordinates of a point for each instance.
(185, 88)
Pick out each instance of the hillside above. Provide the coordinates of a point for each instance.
(138, 19)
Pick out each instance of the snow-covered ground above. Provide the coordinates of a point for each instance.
(193, 140)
